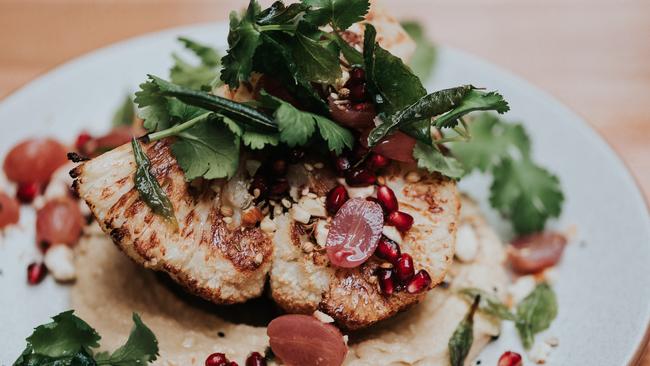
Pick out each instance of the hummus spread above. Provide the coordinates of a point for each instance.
(110, 288)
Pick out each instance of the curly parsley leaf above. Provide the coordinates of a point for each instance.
(140, 349)
(535, 313)
(488, 303)
(525, 193)
(341, 14)
(208, 149)
(64, 336)
(243, 39)
(148, 187)
(461, 340)
(125, 114)
(475, 100)
(433, 160)
(317, 63)
(424, 57)
(492, 141)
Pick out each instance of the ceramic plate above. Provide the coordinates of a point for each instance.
(603, 285)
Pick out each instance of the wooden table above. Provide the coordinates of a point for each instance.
(594, 55)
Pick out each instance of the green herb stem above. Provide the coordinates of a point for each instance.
(175, 130)
(276, 27)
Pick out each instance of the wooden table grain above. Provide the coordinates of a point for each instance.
(594, 55)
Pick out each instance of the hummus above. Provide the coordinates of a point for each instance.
(110, 288)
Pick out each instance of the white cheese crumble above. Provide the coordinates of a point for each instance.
(466, 243)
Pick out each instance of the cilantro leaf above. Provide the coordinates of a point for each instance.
(296, 126)
(154, 108)
(125, 114)
(431, 159)
(80, 358)
(351, 54)
(208, 55)
(526, 193)
(258, 141)
(475, 100)
(340, 13)
(336, 136)
(243, 39)
(193, 77)
(535, 313)
(492, 142)
(64, 336)
(317, 63)
(424, 56)
(141, 348)
(208, 149)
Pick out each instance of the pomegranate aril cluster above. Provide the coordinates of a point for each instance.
(220, 359)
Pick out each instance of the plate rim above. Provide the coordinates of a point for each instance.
(642, 347)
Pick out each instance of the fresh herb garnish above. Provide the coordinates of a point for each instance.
(149, 188)
(432, 159)
(205, 75)
(125, 114)
(69, 341)
(521, 190)
(463, 337)
(340, 14)
(424, 57)
(488, 304)
(535, 313)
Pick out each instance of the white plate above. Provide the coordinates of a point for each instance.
(604, 280)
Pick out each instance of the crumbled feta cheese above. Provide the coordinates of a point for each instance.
(59, 260)
(521, 288)
(268, 225)
(323, 317)
(412, 177)
(299, 214)
(466, 243)
(392, 233)
(313, 206)
(321, 231)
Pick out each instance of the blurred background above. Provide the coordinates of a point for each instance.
(593, 55)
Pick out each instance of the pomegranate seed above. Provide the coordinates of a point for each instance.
(404, 267)
(36, 273)
(386, 281)
(233, 363)
(336, 197)
(387, 199)
(216, 359)
(388, 250)
(378, 161)
(82, 139)
(420, 282)
(343, 164)
(255, 359)
(510, 358)
(357, 73)
(401, 220)
(360, 178)
(27, 192)
(358, 92)
(361, 107)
